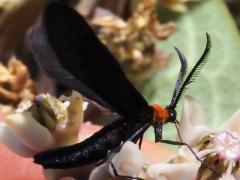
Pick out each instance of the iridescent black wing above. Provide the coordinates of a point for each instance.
(89, 64)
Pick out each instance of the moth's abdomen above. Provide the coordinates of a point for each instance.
(89, 151)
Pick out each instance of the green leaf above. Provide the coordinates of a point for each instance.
(217, 87)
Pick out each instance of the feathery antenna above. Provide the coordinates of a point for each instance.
(194, 72)
(181, 75)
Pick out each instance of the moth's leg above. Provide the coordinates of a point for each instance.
(177, 143)
(140, 142)
(122, 176)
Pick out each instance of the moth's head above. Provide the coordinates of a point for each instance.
(164, 115)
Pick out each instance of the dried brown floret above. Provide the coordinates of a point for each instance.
(15, 84)
(133, 42)
(177, 5)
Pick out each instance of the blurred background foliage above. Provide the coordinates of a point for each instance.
(217, 88)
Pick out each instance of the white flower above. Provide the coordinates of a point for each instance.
(48, 123)
(13, 143)
(30, 132)
(100, 172)
(128, 162)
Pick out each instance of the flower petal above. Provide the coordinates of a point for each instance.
(100, 172)
(191, 125)
(194, 110)
(227, 177)
(29, 131)
(184, 155)
(12, 142)
(237, 174)
(78, 173)
(228, 174)
(232, 124)
(172, 171)
(129, 161)
(67, 133)
(85, 105)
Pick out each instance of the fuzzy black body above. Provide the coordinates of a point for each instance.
(89, 151)
(71, 53)
(93, 149)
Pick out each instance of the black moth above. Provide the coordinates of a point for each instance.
(72, 54)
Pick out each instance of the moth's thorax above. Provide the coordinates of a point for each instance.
(160, 113)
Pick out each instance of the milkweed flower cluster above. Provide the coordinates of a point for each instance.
(218, 149)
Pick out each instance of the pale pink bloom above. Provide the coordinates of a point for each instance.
(222, 144)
